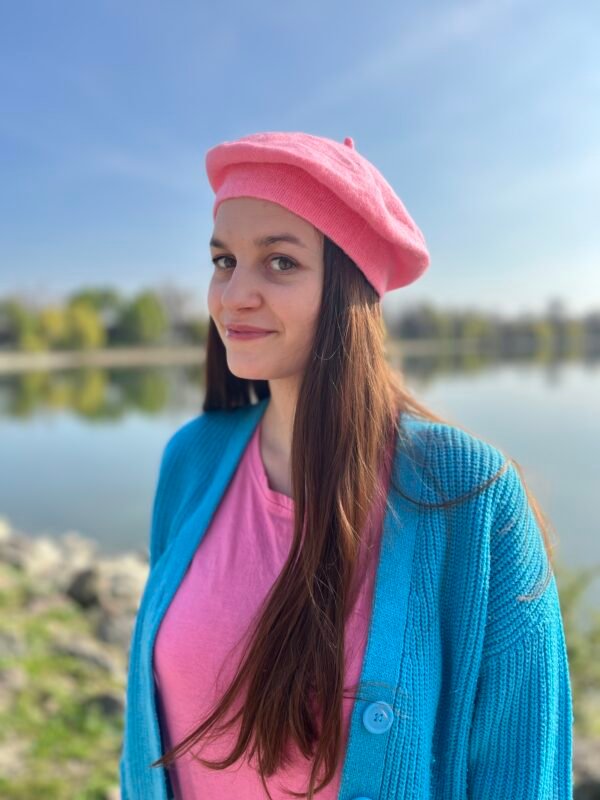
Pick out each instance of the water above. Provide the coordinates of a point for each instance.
(79, 450)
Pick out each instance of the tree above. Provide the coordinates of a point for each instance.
(21, 327)
(53, 323)
(176, 302)
(85, 328)
(143, 321)
(99, 298)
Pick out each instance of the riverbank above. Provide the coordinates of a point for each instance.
(15, 362)
(66, 617)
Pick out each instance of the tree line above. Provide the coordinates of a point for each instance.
(93, 318)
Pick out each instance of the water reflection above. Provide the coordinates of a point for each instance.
(93, 393)
(108, 393)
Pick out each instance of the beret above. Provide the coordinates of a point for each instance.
(332, 186)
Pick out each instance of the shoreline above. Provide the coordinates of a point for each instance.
(16, 362)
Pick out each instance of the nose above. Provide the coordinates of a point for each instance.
(241, 288)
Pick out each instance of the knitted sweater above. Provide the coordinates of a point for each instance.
(466, 687)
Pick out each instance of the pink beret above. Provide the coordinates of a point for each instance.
(333, 187)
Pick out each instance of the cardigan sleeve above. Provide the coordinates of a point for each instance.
(520, 743)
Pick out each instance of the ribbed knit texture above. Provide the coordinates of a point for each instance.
(477, 679)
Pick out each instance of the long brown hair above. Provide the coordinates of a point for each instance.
(295, 660)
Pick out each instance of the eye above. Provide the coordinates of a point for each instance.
(285, 258)
(290, 268)
(218, 258)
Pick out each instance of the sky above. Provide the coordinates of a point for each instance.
(483, 116)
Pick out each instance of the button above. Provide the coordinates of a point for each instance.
(378, 717)
(361, 798)
(349, 142)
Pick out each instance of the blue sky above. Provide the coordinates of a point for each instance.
(484, 117)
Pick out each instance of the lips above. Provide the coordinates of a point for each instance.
(246, 329)
(232, 333)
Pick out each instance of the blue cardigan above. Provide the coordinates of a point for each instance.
(467, 692)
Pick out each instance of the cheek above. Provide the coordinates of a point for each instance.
(300, 321)
(213, 297)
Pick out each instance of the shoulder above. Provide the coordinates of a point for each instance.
(194, 450)
(475, 483)
(493, 521)
(188, 462)
(470, 473)
(454, 460)
(201, 439)
(192, 453)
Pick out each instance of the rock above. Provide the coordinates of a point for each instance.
(80, 551)
(5, 529)
(39, 604)
(114, 584)
(84, 588)
(12, 680)
(90, 653)
(586, 791)
(109, 704)
(15, 549)
(115, 630)
(586, 768)
(13, 756)
(123, 580)
(52, 562)
(68, 556)
(12, 644)
(44, 559)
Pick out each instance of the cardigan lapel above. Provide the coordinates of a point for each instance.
(369, 734)
(166, 578)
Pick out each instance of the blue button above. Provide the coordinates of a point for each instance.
(378, 717)
(361, 798)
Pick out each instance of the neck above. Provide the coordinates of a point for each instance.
(278, 420)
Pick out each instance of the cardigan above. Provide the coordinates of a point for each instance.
(468, 691)
(200, 641)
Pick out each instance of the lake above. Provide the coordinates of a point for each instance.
(79, 449)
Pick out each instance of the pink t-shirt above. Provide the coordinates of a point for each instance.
(199, 642)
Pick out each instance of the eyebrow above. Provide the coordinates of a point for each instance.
(264, 241)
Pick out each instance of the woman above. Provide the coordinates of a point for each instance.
(347, 595)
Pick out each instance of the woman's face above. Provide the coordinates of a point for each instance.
(276, 286)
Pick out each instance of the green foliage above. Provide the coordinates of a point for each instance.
(94, 393)
(197, 331)
(100, 299)
(152, 317)
(85, 330)
(91, 318)
(21, 325)
(54, 324)
(582, 634)
(63, 748)
(143, 321)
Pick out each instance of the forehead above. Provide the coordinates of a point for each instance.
(248, 217)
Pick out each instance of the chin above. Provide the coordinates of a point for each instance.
(248, 374)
